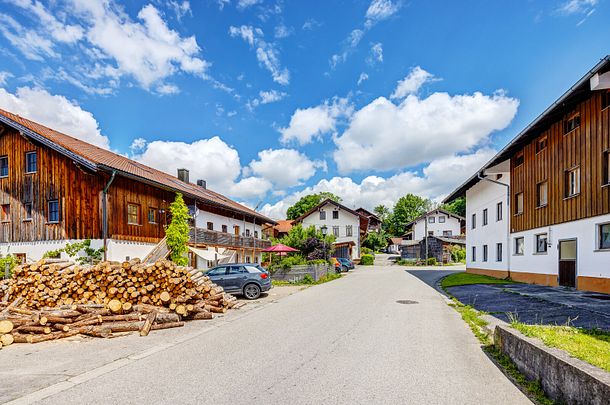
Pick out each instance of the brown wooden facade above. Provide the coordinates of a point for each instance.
(585, 148)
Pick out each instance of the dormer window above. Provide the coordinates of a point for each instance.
(571, 124)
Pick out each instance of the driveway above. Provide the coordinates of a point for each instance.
(343, 342)
(536, 304)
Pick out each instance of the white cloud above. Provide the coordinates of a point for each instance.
(138, 145)
(436, 180)
(181, 8)
(412, 83)
(380, 10)
(167, 89)
(243, 4)
(266, 53)
(376, 54)
(385, 136)
(61, 32)
(313, 122)
(311, 24)
(4, 76)
(282, 31)
(54, 111)
(362, 78)
(32, 45)
(577, 7)
(271, 96)
(250, 187)
(284, 167)
(222, 4)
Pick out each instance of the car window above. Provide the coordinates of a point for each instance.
(217, 271)
(237, 270)
(253, 269)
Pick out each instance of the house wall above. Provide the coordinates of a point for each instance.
(486, 195)
(451, 224)
(203, 217)
(345, 219)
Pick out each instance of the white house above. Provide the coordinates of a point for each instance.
(437, 222)
(551, 187)
(347, 225)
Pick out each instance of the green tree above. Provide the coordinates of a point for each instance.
(382, 212)
(177, 232)
(407, 208)
(308, 202)
(375, 241)
(457, 206)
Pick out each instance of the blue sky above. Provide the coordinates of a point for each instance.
(270, 100)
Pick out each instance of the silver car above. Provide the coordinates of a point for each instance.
(247, 279)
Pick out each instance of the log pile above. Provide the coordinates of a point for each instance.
(54, 299)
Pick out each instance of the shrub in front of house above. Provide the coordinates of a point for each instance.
(367, 260)
(431, 261)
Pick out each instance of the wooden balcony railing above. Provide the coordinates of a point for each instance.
(204, 236)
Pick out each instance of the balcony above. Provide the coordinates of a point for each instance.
(215, 238)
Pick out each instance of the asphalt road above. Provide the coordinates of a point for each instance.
(344, 342)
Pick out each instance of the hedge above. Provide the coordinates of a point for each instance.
(367, 260)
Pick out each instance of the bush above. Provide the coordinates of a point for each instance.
(406, 262)
(431, 261)
(12, 262)
(287, 262)
(366, 251)
(307, 279)
(367, 260)
(458, 254)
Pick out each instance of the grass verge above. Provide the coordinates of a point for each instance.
(456, 279)
(592, 346)
(307, 280)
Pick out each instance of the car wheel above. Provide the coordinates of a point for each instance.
(252, 291)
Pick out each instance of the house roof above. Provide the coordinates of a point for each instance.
(367, 213)
(284, 226)
(575, 94)
(450, 214)
(364, 221)
(396, 241)
(97, 159)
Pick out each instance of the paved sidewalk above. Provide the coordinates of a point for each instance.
(538, 304)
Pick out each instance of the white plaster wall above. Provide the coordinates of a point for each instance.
(345, 219)
(451, 224)
(483, 195)
(120, 250)
(203, 217)
(590, 262)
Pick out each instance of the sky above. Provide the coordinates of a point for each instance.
(270, 100)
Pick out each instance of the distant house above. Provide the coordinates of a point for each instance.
(279, 230)
(394, 245)
(374, 221)
(56, 189)
(348, 226)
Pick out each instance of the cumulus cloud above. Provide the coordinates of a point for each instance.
(267, 53)
(138, 145)
(386, 136)
(412, 83)
(54, 111)
(435, 181)
(284, 167)
(311, 123)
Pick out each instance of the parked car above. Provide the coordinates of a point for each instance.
(337, 265)
(247, 279)
(346, 264)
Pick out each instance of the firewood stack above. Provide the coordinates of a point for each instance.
(54, 298)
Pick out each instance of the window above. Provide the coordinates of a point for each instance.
(210, 226)
(519, 159)
(28, 211)
(4, 166)
(541, 243)
(53, 211)
(225, 229)
(30, 162)
(447, 233)
(542, 197)
(499, 211)
(519, 246)
(6, 213)
(431, 220)
(519, 203)
(256, 234)
(606, 167)
(236, 230)
(430, 233)
(133, 214)
(605, 99)
(336, 231)
(484, 253)
(571, 124)
(219, 271)
(474, 254)
(541, 144)
(247, 232)
(498, 252)
(239, 269)
(322, 215)
(474, 221)
(604, 236)
(152, 215)
(441, 219)
(348, 230)
(335, 214)
(572, 182)
(485, 217)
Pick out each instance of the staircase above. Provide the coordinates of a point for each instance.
(159, 252)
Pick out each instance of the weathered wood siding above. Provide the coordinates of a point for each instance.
(583, 147)
(56, 178)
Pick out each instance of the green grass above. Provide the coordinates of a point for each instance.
(592, 346)
(453, 280)
(473, 318)
(324, 279)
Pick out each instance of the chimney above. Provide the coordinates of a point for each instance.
(183, 175)
(202, 183)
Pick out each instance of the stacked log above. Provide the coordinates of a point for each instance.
(54, 299)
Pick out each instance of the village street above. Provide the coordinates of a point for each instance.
(347, 341)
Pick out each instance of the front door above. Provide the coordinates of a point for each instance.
(567, 263)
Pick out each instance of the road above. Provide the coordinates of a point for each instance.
(344, 342)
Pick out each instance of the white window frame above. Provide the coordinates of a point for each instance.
(539, 202)
(485, 217)
(499, 211)
(519, 201)
(499, 252)
(573, 182)
(536, 246)
(441, 219)
(431, 220)
(515, 251)
(598, 241)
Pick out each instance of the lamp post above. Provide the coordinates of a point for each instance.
(324, 229)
